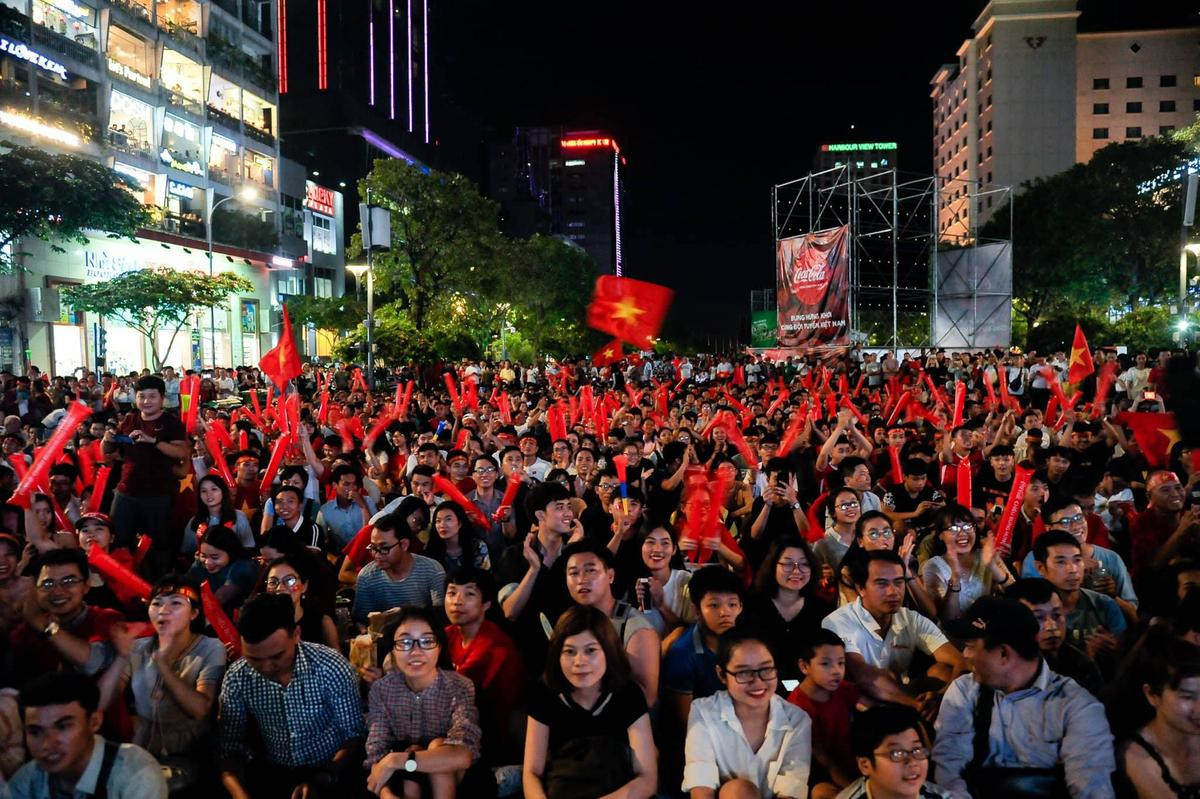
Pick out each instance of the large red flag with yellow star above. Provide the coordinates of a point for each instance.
(282, 363)
(631, 310)
(611, 352)
(1081, 359)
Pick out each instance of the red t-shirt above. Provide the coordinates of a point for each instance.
(831, 722)
(493, 663)
(145, 470)
(1147, 533)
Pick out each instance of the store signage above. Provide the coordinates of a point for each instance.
(858, 146)
(589, 143)
(191, 167)
(181, 189)
(575, 162)
(129, 74)
(103, 265)
(36, 127)
(23, 52)
(319, 198)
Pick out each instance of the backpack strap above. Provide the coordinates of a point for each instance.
(111, 750)
(983, 723)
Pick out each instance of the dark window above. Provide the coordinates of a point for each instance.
(1163, 130)
(1166, 81)
(1099, 133)
(1099, 83)
(1133, 133)
(1099, 108)
(1166, 106)
(1133, 83)
(1196, 105)
(1133, 108)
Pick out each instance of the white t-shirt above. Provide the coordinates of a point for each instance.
(893, 651)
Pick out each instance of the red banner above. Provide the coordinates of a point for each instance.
(813, 285)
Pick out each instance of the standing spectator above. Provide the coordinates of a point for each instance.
(302, 700)
(62, 718)
(142, 501)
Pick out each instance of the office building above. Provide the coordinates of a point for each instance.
(180, 96)
(1042, 84)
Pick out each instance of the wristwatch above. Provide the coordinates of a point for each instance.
(410, 765)
(795, 506)
(51, 629)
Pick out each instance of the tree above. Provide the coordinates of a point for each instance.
(53, 197)
(563, 274)
(445, 237)
(328, 313)
(151, 300)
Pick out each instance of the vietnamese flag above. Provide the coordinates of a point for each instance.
(1081, 359)
(282, 362)
(608, 354)
(631, 310)
(1155, 434)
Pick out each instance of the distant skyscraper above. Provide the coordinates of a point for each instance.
(562, 182)
(1042, 85)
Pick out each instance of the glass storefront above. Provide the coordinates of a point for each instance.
(73, 20)
(180, 147)
(258, 113)
(124, 349)
(179, 15)
(148, 193)
(130, 56)
(67, 342)
(225, 101)
(183, 79)
(130, 124)
(223, 159)
(260, 168)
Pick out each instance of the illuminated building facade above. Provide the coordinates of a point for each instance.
(181, 97)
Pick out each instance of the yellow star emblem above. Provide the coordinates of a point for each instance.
(627, 310)
(1076, 357)
(608, 353)
(186, 483)
(247, 509)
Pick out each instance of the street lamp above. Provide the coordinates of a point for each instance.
(358, 270)
(246, 194)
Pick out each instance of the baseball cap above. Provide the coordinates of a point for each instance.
(1003, 621)
(93, 514)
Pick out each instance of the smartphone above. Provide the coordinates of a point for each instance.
(643, 592)
(122, 439)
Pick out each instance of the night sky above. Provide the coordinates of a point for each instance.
(711, 110)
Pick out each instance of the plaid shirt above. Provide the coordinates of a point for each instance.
(302, 724)
(397, 716)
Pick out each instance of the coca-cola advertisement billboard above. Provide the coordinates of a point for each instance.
(814, 289)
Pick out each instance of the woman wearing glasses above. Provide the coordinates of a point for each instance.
(588, 733)
(291, 575)
(844, 508)
(746, 740)
(786, 603)
(422, 723)
(964, 567)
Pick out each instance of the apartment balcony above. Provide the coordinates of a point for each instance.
(178, 102)
(221, 118)
(122, 141)
(185, 33)
(65, 47)
(13, 23)
(83, 122)
(135, 11)
(229, 6)
(261, 136)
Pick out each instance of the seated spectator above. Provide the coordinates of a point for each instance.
(1062, 656)
(843, 508)
(881, 638)
(175, 675)
(1161, 757)
(214, 507)
(785, 602)
(68, 758)
(296, 476)
(422, 724)
(15, 587)
(964, 564)
(413, 513)
(481, 651)
(873, 531)
(94, 529)
(662, 593)
(395, 577)
(589, 572)
(892, 751)
(226, 565)
(292, 575)
(1046, 736)
(289, 505)
(586, 715)
(1094, 622)
(829, 700)
(344, 515)
(312, 744)
(745, 740)
(690, 664)
(455, 541)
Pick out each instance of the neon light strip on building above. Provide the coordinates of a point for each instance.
(617, 209)
(589, 143)
(408, 60)
(322, 52)
(371, 50)
(281, 25)
(392, 58)
(425, 55)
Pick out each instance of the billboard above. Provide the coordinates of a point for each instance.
(764, 328)
(973, 302)
(813, 274)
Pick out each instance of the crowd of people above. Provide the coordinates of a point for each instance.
(848, 574)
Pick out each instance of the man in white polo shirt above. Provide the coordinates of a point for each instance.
(881, 637)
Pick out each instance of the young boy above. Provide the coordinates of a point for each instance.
(829, 699)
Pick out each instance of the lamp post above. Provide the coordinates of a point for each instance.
(358, 270)
(1194, 249)
(245, 194)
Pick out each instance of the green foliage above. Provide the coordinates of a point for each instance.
(327, 313)
(240, 229)
(55, 197)
(151, 300)
(1085, 239)
(451, 279)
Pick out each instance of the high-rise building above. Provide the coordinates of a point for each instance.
(1042, 84)
(561, 182)
(180, 96)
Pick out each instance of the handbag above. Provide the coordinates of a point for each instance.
(1001, 782)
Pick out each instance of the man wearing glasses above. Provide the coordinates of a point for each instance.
(395, 576)
(892, 752)
(1041, 727)
(487, 499)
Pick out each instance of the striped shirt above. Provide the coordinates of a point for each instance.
(301, 724)
(424, 585)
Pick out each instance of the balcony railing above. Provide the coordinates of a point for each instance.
(133, 8)
(184, 33)
(228, 120)
(221, 175)
(120, 140)
(260, 135)
(64, 46)
(179, 101)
